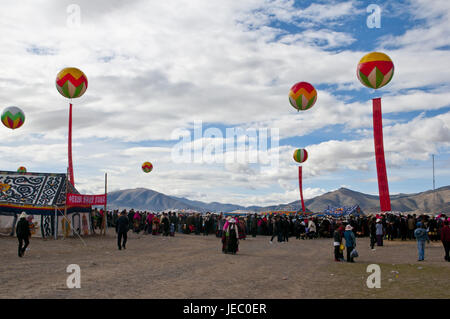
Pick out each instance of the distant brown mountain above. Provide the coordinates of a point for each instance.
(425, 202)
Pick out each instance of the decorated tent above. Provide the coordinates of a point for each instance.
(337, 212)
(42, 197)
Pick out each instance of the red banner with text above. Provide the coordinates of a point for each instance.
(92, 200)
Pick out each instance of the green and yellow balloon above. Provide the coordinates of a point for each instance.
(300, 155)
(22, 169)
(13, 117)
(71, 83)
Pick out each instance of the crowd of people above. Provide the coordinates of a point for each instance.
(379, 227)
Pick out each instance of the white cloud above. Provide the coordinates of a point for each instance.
(152, 70)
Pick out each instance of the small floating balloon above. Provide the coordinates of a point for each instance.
(71, 82)
(13, 117)
(375, 70)
(21, 169)
(147, 167)
(302, 96)
(300, 155)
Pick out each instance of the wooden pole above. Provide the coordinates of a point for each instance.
(56, 222)
(105, 217)
(65, 206)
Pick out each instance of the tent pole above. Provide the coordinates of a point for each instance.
(75, 231)
(65, 206)
(56, 222)
(105, 211)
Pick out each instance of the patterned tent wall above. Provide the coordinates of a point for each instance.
(37, 194)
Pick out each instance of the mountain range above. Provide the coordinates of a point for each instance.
(150, 200)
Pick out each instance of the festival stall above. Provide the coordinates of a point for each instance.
(338, 212)
(42, 197)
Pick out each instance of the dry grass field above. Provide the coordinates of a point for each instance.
(190, 266)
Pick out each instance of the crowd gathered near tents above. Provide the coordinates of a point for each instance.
(283, 226)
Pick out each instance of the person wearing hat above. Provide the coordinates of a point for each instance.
(23, 233)
(230, 238)
(122, 227)
(350, 242)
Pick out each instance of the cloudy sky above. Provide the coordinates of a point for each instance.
(155, 68)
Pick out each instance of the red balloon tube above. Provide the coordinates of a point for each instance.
(383, 188)
(300, 186)
(71, 178)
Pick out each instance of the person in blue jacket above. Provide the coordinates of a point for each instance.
(421, 235)
(350, 242)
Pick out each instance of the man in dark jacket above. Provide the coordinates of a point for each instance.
(23, 233)
(166, 224)
(254, 225)
(285, 226)
(373, 233)
(122, 227)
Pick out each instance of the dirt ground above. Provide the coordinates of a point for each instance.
(190, 266)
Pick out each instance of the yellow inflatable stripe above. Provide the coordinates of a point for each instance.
(375, 56)
(75, 73)
(304, 92)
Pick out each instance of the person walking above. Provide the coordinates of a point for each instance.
(122, 227)
(23, 233)
(445, 238)
(421, 236)
(276, 229)
(350, 242)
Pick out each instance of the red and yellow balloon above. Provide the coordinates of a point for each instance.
(147, 167)
(71, 83)
(375, 70)
(302, 96)
(300, 155)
